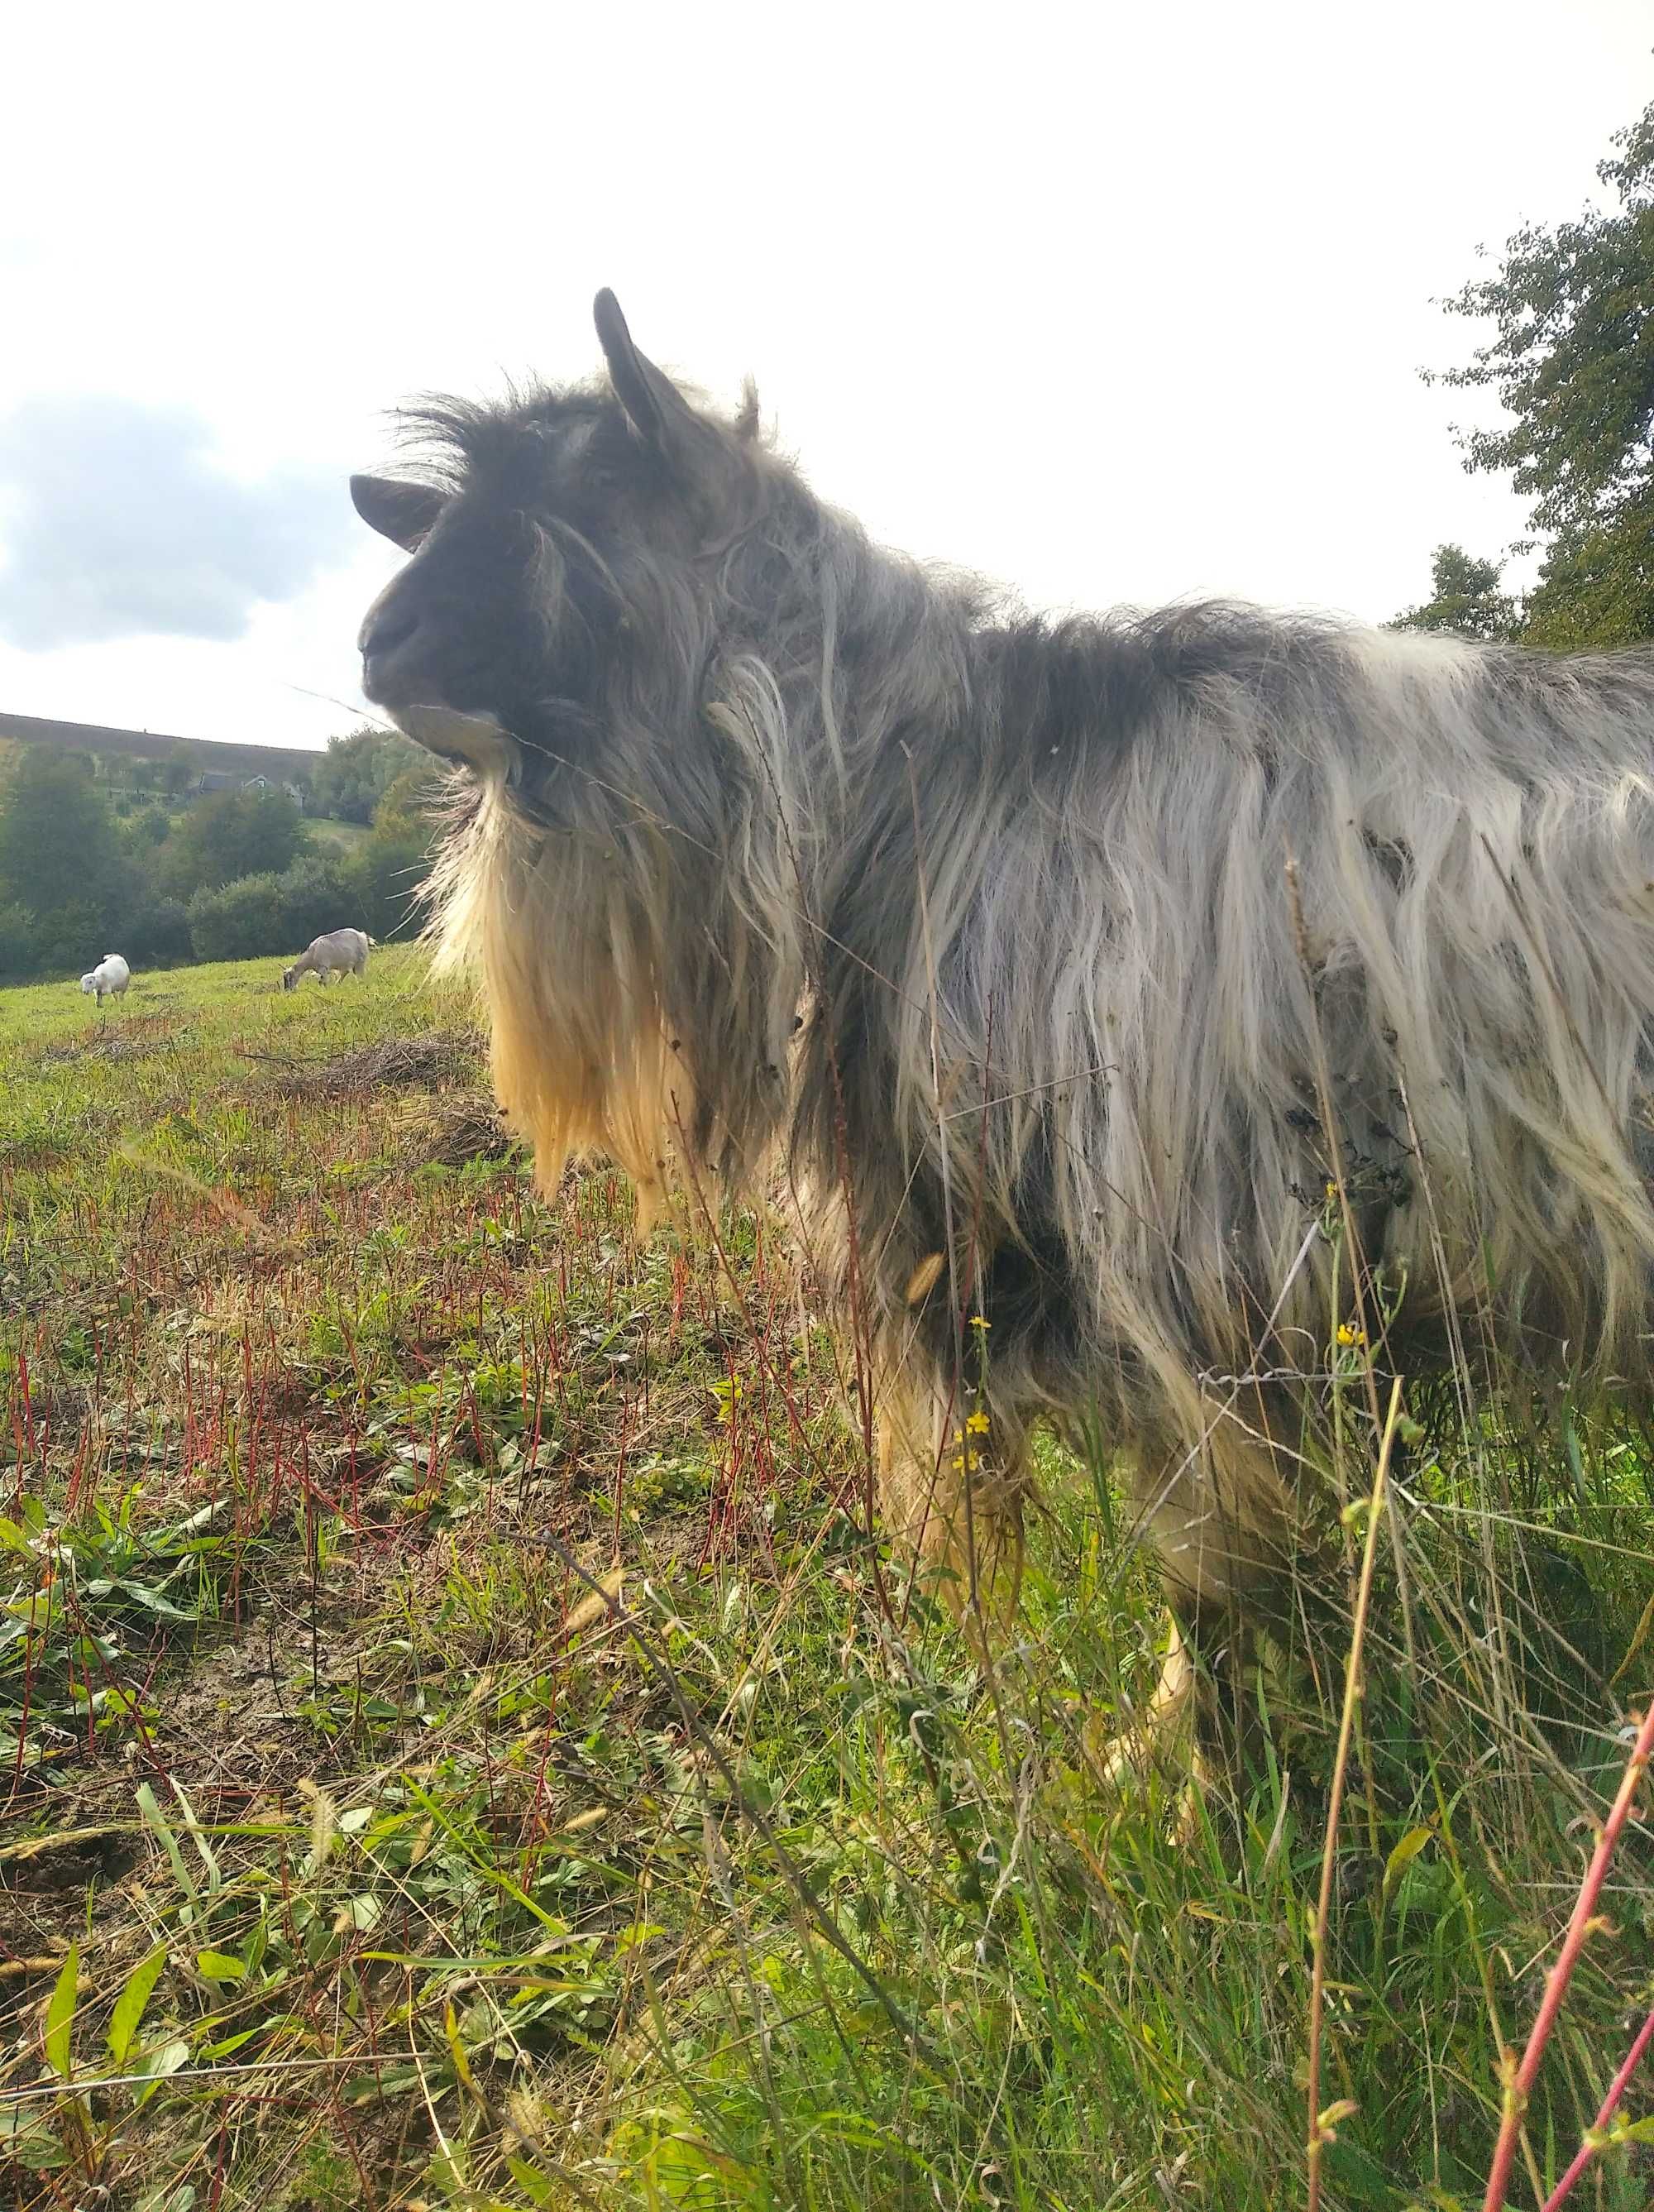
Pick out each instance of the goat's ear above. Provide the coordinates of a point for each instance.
(398, 510)
(656, 410)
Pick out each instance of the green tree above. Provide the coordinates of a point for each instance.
(58, 850)
(179, 771)
(412, 799)
(390, 865)
(231, 833)
(71, 936)
(149, 827)
(1572, 361)
(1465, 600)
(387, 869)
(19, 947)
(357, 771)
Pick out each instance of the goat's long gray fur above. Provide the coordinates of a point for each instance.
(1091, 920)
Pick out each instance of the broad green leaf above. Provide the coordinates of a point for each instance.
(142, 1594)
(534, 2185)
(155, 1819)
(60, 2014)
(131, 2004)
(220, 1966)
(1405, 1852)
(156, 2065)
(230, 2043)
(29, 2142)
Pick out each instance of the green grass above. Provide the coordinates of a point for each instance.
(352, 1858)
(328, 835)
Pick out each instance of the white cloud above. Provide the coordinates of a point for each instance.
(119, 522)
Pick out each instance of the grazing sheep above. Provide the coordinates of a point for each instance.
(1184, 989)
(112, 974)
(341, 952)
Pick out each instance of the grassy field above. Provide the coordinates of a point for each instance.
(356, 1854)
(326, 835)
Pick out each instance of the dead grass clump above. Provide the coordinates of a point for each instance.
(137, 1038)
(438, 1057)
(456, 1130)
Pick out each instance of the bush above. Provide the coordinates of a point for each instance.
(19, 954)
(271, 914)
(69, 938)
(159, 936)
(317, 894)
(389, 869)
(237, 921)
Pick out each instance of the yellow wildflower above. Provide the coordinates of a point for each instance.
(1349, 1334)
(977, 1423)
(979, 1321)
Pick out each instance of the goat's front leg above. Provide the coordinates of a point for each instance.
(951, 1494)
(1232, 1515)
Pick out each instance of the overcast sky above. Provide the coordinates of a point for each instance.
(1114, 302)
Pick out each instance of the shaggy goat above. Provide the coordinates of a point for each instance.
(340, 952)
(1130, 948)
(112, 974)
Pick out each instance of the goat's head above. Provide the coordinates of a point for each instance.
(563, 546)
(289, 979)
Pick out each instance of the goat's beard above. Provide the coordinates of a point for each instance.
(567, 946)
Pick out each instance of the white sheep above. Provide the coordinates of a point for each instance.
(110, 974)
(342, 951)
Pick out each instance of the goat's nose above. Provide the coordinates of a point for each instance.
(394, 626)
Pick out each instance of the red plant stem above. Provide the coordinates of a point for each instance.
(1616, 2089)
(1521, 2082)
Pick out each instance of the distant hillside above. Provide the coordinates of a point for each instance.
(216, 755)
